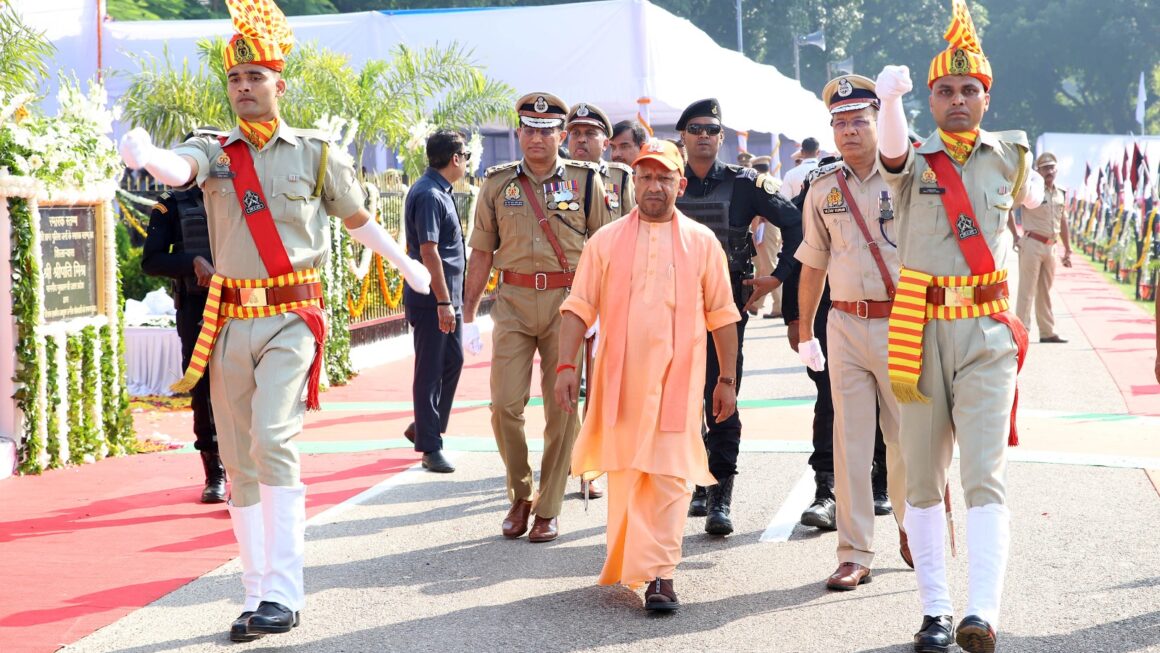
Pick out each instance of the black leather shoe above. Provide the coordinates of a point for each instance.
(409, 433)
(240, 629)
(820, 514)
(215, 478)
(699, 506)
(934, 636)
(435, 461)
(272, 618)
(1053, 339)
(882, 505)
(975, 635)
(718, 522)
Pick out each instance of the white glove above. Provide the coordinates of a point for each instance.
(892, 83)
(469, 338)
(1035, 190)
(166, 166)
(375, 237)
(893, 132)
(811, 354)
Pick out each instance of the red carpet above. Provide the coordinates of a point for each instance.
(83, 547)
(1121, 333)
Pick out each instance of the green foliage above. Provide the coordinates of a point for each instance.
(135, 284)
(337, 282)
(169, 102)
(24, 54)
(183, 9)
(52, 394)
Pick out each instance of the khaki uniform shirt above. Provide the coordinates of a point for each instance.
(506, 223)
(618, 188)
(831, 237)
(287, 167)
(1044, 219)
(925, 240)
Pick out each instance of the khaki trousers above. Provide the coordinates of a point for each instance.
(646, 525)
(257, 376)
(527, 321)
(860, 384)
(766, 260)
(968, 372)
(1036, 274)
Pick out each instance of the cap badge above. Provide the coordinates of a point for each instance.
(714, 109)
(655, 146)
(242, 51)
(541, 104)
(582, 111)
(960, 64)
(844, 88)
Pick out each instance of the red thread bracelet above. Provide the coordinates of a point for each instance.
(564, 366)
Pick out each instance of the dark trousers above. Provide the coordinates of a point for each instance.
(822, 459)
(438, 363)
(188, 327)
(722, 440)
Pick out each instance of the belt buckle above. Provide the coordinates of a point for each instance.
(959, 296)
(862, 309)
(541, 280)
(252, 297)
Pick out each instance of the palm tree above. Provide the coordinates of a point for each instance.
(169, 102)
(23, 54)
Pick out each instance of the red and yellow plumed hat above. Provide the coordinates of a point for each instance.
(264, 37)
(964, 54)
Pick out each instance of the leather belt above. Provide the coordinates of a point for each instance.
(539, 280)
(1043, 239)
(865, 309)
(272, 296)
(965, 295)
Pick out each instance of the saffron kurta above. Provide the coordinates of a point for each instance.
(635, 440)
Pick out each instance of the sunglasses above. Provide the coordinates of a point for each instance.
(698, 129)
(466, 156)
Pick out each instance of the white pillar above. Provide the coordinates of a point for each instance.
(9, 422)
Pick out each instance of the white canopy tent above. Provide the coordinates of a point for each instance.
(637, 52)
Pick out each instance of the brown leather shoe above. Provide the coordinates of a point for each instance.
(848, 576)
(544, 529)
(659, 596)
(594, 490)
(904, 549)
(516, 522)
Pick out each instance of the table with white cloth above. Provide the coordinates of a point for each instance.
(152, 360)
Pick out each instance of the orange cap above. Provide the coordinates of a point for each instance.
(663, 152)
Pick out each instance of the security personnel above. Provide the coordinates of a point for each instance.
(955, 348)
(1042, 227)
(849, 238)
(270, 189)
(588, 132)
(177, 246)
(726, 198)
(767, 248)
(532, 219)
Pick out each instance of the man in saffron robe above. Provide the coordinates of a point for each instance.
(667, 276)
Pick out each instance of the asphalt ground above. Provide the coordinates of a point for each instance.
(419, 563)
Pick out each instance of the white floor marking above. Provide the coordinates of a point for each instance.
(798, 499)
(331, 514)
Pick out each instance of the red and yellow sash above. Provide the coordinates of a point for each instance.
(911, 312)
(273, 254)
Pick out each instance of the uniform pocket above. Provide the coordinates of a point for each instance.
(998, 206)
(290, 200)
(842, 230)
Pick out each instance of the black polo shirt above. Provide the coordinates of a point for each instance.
(430, 216)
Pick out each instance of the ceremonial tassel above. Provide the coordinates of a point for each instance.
(312, 400)
(908, 392)
(1013, 435)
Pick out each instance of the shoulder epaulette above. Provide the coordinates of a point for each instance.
(500, 168)
(822, 171)
(580, 164)
(1013, 136)
(316, 134)
(742, 172)
(616, 165)
(160, 207)
(767, 183)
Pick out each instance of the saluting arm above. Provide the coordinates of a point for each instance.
(363, 228)
(893, 135)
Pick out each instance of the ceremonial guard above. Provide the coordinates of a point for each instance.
(177, 246)
(1043, 226)
(532, 219)
(270, 189)
(726, 198)
(848, 226)
(955, 348)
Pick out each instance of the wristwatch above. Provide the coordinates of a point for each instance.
(727, 380)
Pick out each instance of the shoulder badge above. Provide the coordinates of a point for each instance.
(821, 171)
(768, 183)
(315, 134)
(929, 177)
(573, 163)
(834, 202)
(743, 172)
(500, 168)
(160, 208)
(512, 195)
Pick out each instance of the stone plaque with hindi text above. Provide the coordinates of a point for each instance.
(69, 248)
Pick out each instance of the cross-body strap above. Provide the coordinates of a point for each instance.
(870, 242)
(256, 210)
(961, 215)
(534, 199)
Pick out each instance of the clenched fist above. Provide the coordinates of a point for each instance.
(137, 148)
(893, 82)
